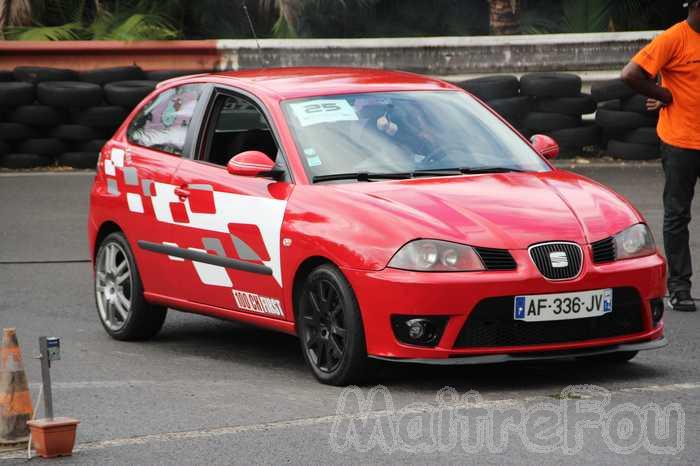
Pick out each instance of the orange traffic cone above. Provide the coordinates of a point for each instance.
(15, 400)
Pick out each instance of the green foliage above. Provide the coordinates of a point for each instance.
(388, 18)
(586, 15)
(115, 20)
(282, 29)
(68, 31)
(541, 17)
(172, 19)
(134, 27)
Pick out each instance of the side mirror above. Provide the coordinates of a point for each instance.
(546, 146)
(250, 163)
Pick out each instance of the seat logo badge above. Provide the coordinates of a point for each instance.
(559, 259)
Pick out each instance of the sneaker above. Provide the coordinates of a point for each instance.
(682, 301)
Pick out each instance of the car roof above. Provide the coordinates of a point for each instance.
(293, 83)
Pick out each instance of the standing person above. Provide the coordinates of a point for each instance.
(675, 55)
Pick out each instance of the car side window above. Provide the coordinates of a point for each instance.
(162, 124)
(238, 126)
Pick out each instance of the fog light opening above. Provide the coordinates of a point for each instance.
(657, 310)
(419, 331)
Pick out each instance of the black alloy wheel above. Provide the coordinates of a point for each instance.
(330, 328)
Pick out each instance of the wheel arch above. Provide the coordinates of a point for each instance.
(108, 227)
(306, 266)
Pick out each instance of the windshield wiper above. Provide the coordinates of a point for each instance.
(471, 170)
(361, 176)
(369, 176)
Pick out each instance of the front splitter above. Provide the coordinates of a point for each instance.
(540, 356)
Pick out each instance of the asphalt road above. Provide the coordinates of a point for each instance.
(212, 392)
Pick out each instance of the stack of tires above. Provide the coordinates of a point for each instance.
(501, 93)
(559, 106)
(55, 116)
(541, 103)
(628, 127)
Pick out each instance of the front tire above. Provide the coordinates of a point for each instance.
(121, 307)
(330, 329)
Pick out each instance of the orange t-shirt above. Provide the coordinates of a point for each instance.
(676, 55)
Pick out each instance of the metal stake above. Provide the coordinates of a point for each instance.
(46, 377)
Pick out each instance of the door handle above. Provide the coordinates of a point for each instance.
(182, 193)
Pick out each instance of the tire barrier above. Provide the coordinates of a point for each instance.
(73, 132)
(102, 117)
(109, 75)
(49, 147)
(42, 116)
(163, 75)
(52, 116)
(76, 112)
(553, 104)
(13, 94)
(128, 93)
(69, 94)
(78, 159)
(40, 74)
(513, 109)
(6, 76)
(22, 161)
(492, 87)
(550, 85)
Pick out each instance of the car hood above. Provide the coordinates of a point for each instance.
(509, 210)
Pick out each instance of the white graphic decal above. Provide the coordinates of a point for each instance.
(211, 274)
(117, 157)
(265, 213)
(256, 303)
(135, 203)
(109, 168)
(165, 194)
(173, 258)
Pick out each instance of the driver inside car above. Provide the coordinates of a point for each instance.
(408, 130)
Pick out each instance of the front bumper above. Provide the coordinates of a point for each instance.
(543, 356)
(382, 294)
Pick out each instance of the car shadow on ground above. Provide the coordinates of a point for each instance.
(247, 345)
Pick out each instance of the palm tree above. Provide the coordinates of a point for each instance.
(14, 13)
(504, 16)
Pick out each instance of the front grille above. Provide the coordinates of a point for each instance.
(604, 250)
(491, 323)
(496, 259)
(547, 255)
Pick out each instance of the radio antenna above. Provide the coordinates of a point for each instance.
(252, 28)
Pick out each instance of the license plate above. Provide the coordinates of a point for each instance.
(564, 306)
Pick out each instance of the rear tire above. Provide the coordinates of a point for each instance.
(121, 307)
(330, 328)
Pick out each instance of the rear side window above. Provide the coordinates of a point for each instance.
(162, 124)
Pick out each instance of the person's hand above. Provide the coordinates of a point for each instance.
(666, 96)
(653, 105)
(385, 125)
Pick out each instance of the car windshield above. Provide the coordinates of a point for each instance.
(403, 133)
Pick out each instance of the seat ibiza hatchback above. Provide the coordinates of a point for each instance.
(373, 214)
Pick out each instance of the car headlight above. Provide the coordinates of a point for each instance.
(427, 255)
(636, 241)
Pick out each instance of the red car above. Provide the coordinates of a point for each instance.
(373, 214)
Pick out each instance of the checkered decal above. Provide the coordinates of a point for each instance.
(252, 224)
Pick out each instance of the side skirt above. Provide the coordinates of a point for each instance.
(222, 313)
